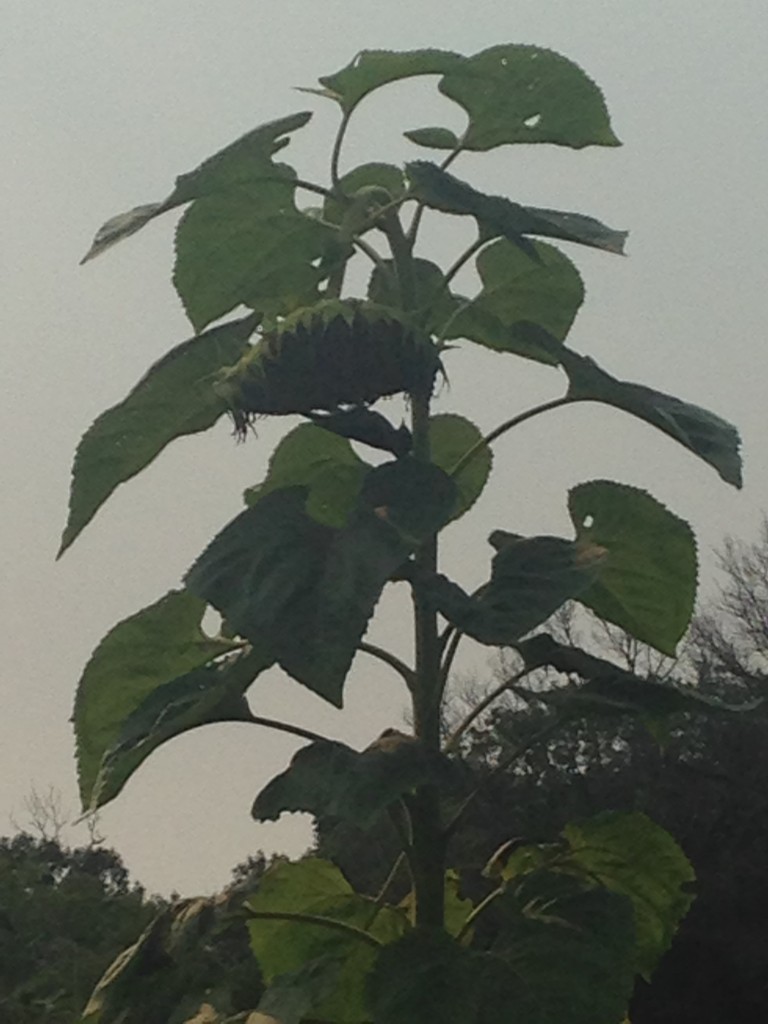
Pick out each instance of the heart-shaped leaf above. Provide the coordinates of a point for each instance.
(451, 439)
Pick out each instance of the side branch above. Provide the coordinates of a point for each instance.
(390, 659)
(293, 730)
(475, 713)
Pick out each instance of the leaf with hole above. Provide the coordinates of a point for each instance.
(175, 397)
(247, 159)
(713, 439)
(524, 307)
(647, 585)
(515, 93)
(249, 246)
(140, 654)
(373, 68)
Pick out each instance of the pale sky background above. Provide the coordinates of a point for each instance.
(104, 103)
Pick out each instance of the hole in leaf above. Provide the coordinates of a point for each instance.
(504, 62)
(533, 121)
(588, 521)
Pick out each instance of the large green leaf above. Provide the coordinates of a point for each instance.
(140, 654)
(499, 216)
(320, 461)
(451, 437)
(647, 584)
(525, 307)
(276, 573)
(530, 579)
(334, 353)
(630, 855)
(330, 780)
(515, 93)
(244, 160)
(248, 245)
(174, 398)
(317, 887)
(371, 69)
(434, 304)
(706, 435)
(213, 693)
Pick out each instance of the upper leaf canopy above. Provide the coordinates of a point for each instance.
(371, 69)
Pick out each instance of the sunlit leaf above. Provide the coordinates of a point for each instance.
(248, 245)
(630, 855)
(524, 307)
(713, 439)
(174, 398)
(317, 887)
(647, 584)
(330, 780)
(244, 160)
(320, 461)
(139, 655)
(515, 93)
(499, 216)
(451, 438)
(213, 693)
(373, 68)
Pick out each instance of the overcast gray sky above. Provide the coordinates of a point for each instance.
(103, 103)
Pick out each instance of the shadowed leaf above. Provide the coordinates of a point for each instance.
(434, 304)
(451, 437)
(373, 68)
(706, 435)
(174, 398)
(647, 585)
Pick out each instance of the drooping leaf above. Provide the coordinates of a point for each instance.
(524, 307)
(630, 855)
(317, 887)
(330, 780)
(320, 461)
(367, 427)
(213, 693)
(332, 354)
(276, 573)
(371, 69)
(434, 138)
(515, 93)
(248, 245)
(246, 159)
(451, 438)
(174, 398)
(530, 579)
(647, 584)
(706, 435)
(140, 654)
(609, 689)
(498, 216)
(435, 305)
